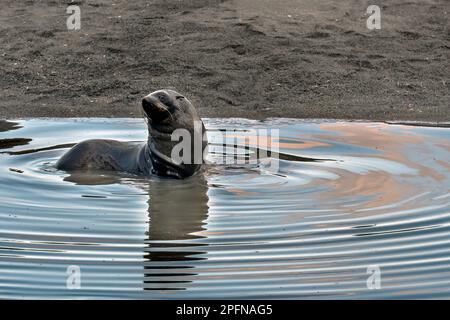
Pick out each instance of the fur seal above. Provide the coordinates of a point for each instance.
(164, 111)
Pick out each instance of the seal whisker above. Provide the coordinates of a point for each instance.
(166, 109)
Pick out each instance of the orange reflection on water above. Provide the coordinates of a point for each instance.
(255, 141)
(385, 188)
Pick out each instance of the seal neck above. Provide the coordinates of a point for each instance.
(161, 165)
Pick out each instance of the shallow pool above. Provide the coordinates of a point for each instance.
(354, 210)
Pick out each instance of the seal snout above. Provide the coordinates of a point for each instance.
(154, 108)
(147, 104)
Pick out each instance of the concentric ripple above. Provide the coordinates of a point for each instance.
(345, 198)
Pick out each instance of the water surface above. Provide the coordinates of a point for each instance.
(378, 197)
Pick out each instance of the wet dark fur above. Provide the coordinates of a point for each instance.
(164, 111)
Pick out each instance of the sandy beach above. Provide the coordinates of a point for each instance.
(243, 58)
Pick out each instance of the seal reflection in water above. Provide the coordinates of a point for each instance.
(178, 211)
(177, 214)
(165, 112)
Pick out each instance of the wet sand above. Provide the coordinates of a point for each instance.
(243, 58)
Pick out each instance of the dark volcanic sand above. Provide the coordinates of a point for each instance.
(243, 58)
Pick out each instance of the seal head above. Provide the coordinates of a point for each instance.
(166, 111)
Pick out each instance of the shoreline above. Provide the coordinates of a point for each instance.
(429, 124)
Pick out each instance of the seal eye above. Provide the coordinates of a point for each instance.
(179, 97)
(163, 98)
